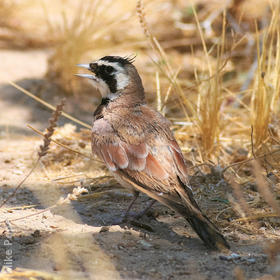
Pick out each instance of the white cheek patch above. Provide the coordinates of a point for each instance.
(122, 80)
(101, 86)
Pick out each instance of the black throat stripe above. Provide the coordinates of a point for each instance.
(98, 114)
(105, 101)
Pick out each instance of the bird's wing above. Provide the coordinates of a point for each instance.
(145, 151)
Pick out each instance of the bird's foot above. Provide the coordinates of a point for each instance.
(126, 218)
(133, 215)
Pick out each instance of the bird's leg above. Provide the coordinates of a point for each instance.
(135, 196)
(143, 212)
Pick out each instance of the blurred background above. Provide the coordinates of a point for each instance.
(212, 67)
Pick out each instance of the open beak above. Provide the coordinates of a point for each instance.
(85, 76)
(89, 76)
(86, 66)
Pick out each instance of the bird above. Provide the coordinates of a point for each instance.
(138, 147)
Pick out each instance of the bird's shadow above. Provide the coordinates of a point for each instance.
(159, 222)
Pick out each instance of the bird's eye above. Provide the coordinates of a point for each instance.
(93, 66)
(109, 69)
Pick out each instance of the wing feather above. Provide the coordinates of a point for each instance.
(155, 169)
(138, 151)
(117, 154)
(178, 159)
(131, 157)
(107, 159)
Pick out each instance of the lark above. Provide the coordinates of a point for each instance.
(138, 147)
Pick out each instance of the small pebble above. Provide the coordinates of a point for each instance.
(251, 260)
(145, 244)
(36, 233)
(231, 257)
(82, 144)
(104, 229)
(156, 246)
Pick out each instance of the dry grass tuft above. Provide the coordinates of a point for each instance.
(18, 28)
(7, 12)
(210, 97)
(264, 188)
(81, 37)
(162, 62)
(265, 97)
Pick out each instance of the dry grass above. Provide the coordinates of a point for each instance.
(214, 72)
(7, 11)
(17, 22)
(266, 88)
(80, 37)
(210, 97)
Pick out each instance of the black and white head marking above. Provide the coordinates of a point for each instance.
(110, 75)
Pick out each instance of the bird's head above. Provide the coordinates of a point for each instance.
(114, 76)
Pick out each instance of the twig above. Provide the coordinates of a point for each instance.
(73, 196)
(19, 185)
(21, 207)
(49, 105)
(263, 187)
(250, 159)
(252, 141)
(58, 143)
(30, 215)
(159, 106)
(256, 217)
(222, 211)
(43, 148)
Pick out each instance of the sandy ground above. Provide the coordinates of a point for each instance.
(80, 239)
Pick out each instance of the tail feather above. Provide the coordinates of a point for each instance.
(204, 228)
(208, 233)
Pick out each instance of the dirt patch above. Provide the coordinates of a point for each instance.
(159, 246)
(80, 239)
